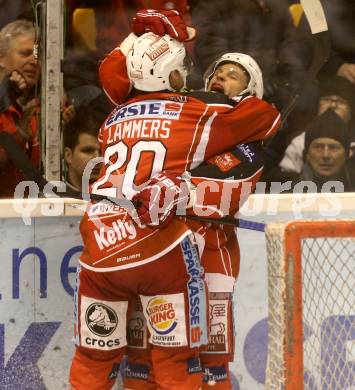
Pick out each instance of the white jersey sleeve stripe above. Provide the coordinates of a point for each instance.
(199, 155)
(273, 125)
(194, 138)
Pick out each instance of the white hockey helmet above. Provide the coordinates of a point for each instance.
(152, 58)
(255, 85)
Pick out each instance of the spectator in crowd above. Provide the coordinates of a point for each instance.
(81, 146)
(336, 94)
(340, 16)
(326, 155)
(262, 29)
(19, 73)
(17, 41)
(326, 151)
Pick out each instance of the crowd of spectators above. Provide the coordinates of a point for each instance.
(318, 135)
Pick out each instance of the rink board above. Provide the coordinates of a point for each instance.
(37, 273)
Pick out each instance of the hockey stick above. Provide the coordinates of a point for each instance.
(319, 28)
(241, 223)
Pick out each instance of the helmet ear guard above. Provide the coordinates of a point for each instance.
(255, 86)
(151, 60)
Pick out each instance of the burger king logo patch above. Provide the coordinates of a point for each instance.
(166, 320)
(162, 315)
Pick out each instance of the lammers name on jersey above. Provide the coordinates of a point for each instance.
(147, 119)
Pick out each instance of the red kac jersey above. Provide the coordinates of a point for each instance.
(151, 133)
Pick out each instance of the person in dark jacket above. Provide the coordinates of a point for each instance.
(262, 29)
(19, 74)
(340, 17)
(326, 146)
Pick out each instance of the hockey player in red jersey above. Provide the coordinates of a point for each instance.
(150, 133)
(237, 76)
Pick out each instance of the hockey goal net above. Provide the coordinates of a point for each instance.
(311, 282)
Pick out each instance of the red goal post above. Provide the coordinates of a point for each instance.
(311, 298)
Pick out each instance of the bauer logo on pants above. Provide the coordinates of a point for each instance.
(102, 324)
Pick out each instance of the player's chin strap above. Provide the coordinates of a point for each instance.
(22, 162)
(318, 24)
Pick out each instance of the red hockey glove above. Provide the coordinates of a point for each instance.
(161, 23)
(158, 201)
